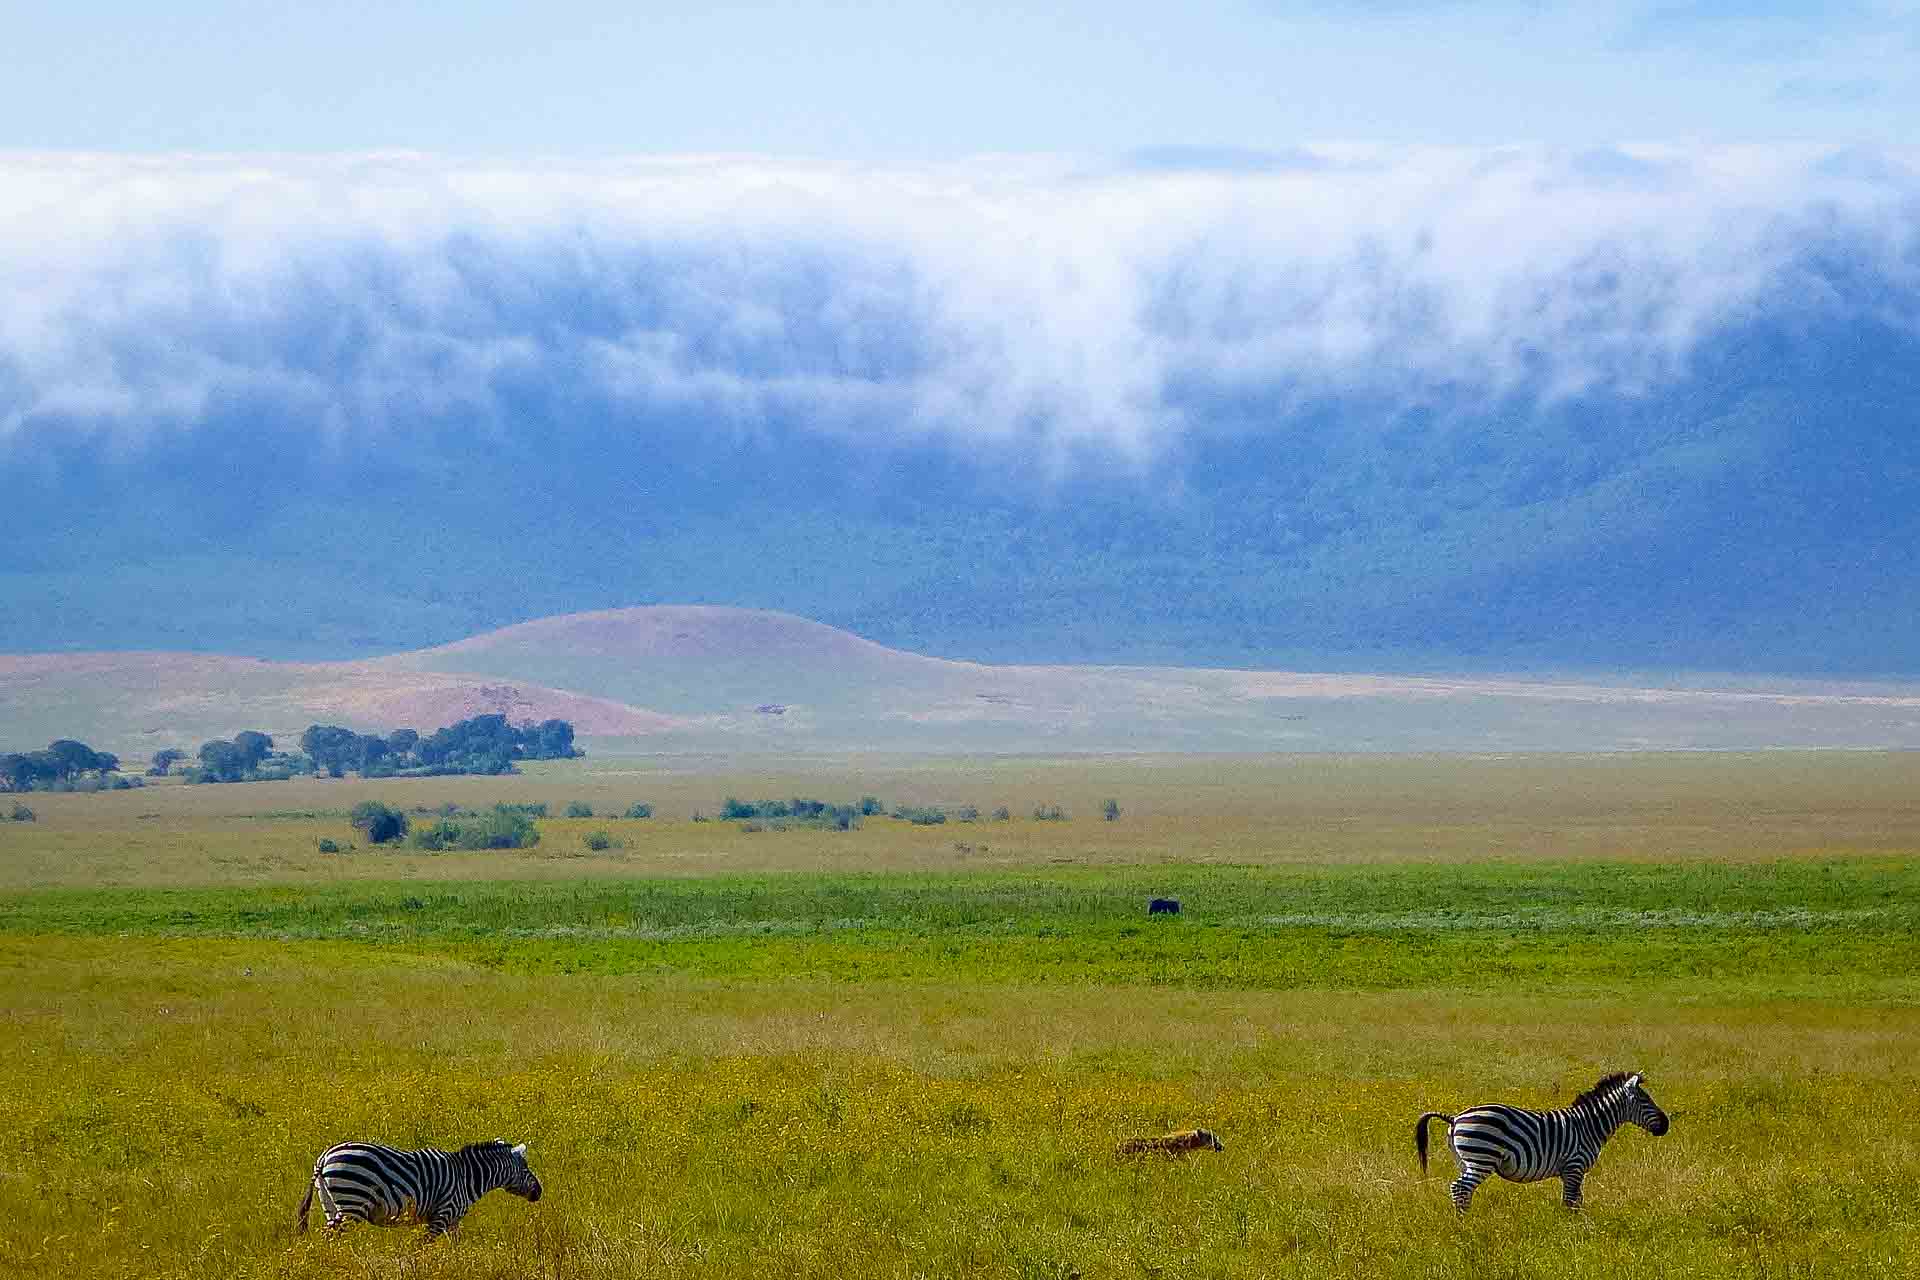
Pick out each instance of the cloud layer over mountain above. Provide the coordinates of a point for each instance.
(1031, 304)
(1636, 406)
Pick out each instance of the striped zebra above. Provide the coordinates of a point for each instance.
(366, 1182)
(1526, 1146)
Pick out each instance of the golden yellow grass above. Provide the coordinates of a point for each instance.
(165, 1097)
(1243, 809)
(165, 1101)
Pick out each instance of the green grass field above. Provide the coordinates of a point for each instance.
(876, 1053)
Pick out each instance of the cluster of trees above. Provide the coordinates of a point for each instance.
(483, 744)
(62, 766)
(249, 757)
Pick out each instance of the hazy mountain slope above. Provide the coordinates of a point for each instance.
(1760, 518)
(1515, 408)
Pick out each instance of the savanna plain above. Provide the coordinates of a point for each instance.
(761, 1048)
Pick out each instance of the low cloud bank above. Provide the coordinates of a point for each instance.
(1025, 305)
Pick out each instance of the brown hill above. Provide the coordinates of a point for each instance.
(704, 633)
(671, 678)
(135, 703)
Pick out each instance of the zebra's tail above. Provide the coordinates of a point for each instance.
(306, 1203)
(1420, 1134)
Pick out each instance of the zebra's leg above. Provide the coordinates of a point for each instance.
(1570, 1179)
(336, 1216)
(1471, 1176)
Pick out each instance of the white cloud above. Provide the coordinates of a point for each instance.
(1020, 302)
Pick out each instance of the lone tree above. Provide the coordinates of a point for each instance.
(163, 761)
(222, 761)
(253, 746)
(331, 747)
(75, 758)
(1110, 811)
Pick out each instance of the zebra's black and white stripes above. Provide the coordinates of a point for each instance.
(366, 1182)
(1526, 1146)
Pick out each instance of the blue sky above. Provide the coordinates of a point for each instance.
(903, 81)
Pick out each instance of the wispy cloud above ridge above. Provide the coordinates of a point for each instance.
(1037, 304)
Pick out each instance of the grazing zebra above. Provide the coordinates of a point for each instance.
(1172, 1144)
(388, 1187)
(1526, 1146)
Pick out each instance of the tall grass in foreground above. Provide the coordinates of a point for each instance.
(166, 1099)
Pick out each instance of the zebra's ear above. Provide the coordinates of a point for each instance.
(1633, 1081)
(520, 1150)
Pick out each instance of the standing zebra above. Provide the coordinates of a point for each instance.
(388, 1187)
(1526, 1146)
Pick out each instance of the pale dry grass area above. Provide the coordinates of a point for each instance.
(167, 1098)
(1229, 809)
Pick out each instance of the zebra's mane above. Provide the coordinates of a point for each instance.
(1603, 1086)
(474, 1150)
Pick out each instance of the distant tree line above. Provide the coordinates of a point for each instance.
(62, 766)
(484, 744)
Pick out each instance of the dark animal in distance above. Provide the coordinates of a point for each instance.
(1172, 1144)
(367, 1182)
(1527, 1146)
(1163, 907)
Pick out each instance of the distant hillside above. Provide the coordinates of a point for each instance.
(136, 703)
(708, 679)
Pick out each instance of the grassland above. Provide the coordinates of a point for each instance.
(874, 1053)
(1239, 810)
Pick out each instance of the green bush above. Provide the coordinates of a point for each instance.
(599, 840)
(328, 846)
(378, 823)
(920, 817)
(967, 813)
(502, 827)
(1110, 811)
(579, 809)
(1049, 813)
(870, 806)
(21, 813)
(642, 810)
(1003, 814)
